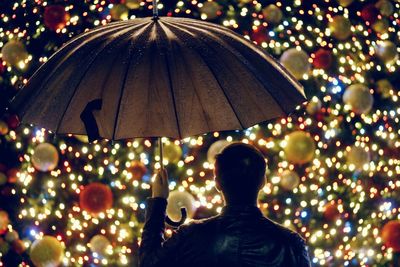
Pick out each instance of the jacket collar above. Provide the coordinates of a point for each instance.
(242, 210)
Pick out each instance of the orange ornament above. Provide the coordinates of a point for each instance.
(331, 212)
(4, 221)
(96, 198)
(137, 169)
(391, 235)
(18, 246)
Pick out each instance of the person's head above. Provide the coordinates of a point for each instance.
(240, 173)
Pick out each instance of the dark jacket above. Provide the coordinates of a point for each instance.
(239, 236)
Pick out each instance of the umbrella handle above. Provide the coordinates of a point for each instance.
(180, 222)
(155, 10)
(183, 210)
(88, 119)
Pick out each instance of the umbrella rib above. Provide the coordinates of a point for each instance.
(240, 58)
(239, 38)
(84, 74)
(227, 98)
(68, 45)
(249, 66)
(164, 36)
(122, 90)
(220, 85)
(173, 97)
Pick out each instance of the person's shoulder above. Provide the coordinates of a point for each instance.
(199, 224)
(285, 233)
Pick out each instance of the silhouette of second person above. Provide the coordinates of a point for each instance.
(239, 236)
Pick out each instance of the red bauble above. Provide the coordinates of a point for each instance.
(137, 169)
(370, 13)
(96, 198)
(55, 17)
(12, 175)
(18, 246)
(331, 212)
(323, 59)
(391, 235)
(2, 66)
(13, 121)
(259, 35)
(116, 1)
(4, 221)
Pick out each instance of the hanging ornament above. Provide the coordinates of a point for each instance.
(296, 62)
(345, 3)
(358, 97)
(172, 153)
(381, 26)
(384, 87)
(340, 27)
(101, 245)
(96, 198)
(391, 235)
(137, 169)
(259, 35)
(385, 7)
(323, 59)
(55, 17)
(46, 252)
(11, 236)
(119, 12)
(370, 13)
(132, 4)
(82, 138)
(126, 231)
(289, 180)
(4, 246)
(210, 10)
(3, 128)
(358, 157)
(45, 157)
(215, 149)
(331, 212)
(13, 121)
(272, 14)
(12, 175)
(300, 147)
(3, 178)
(177, 200)
(313, 106)
(2, 66)
(18, 246)
(14, 53)
(4, 221)
(387, 51)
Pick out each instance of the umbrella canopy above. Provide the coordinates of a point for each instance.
(172, 77)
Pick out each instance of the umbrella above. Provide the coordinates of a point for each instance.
(156, 77)
(171, 77)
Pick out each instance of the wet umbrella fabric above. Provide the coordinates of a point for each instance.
(165, 77)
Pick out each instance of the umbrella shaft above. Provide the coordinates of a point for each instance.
(161, 153)
(155, 9)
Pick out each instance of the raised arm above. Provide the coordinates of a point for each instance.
(154, 249)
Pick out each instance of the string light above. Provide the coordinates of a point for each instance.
(338, 208)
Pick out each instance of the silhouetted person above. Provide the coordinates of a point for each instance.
(239, 236)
